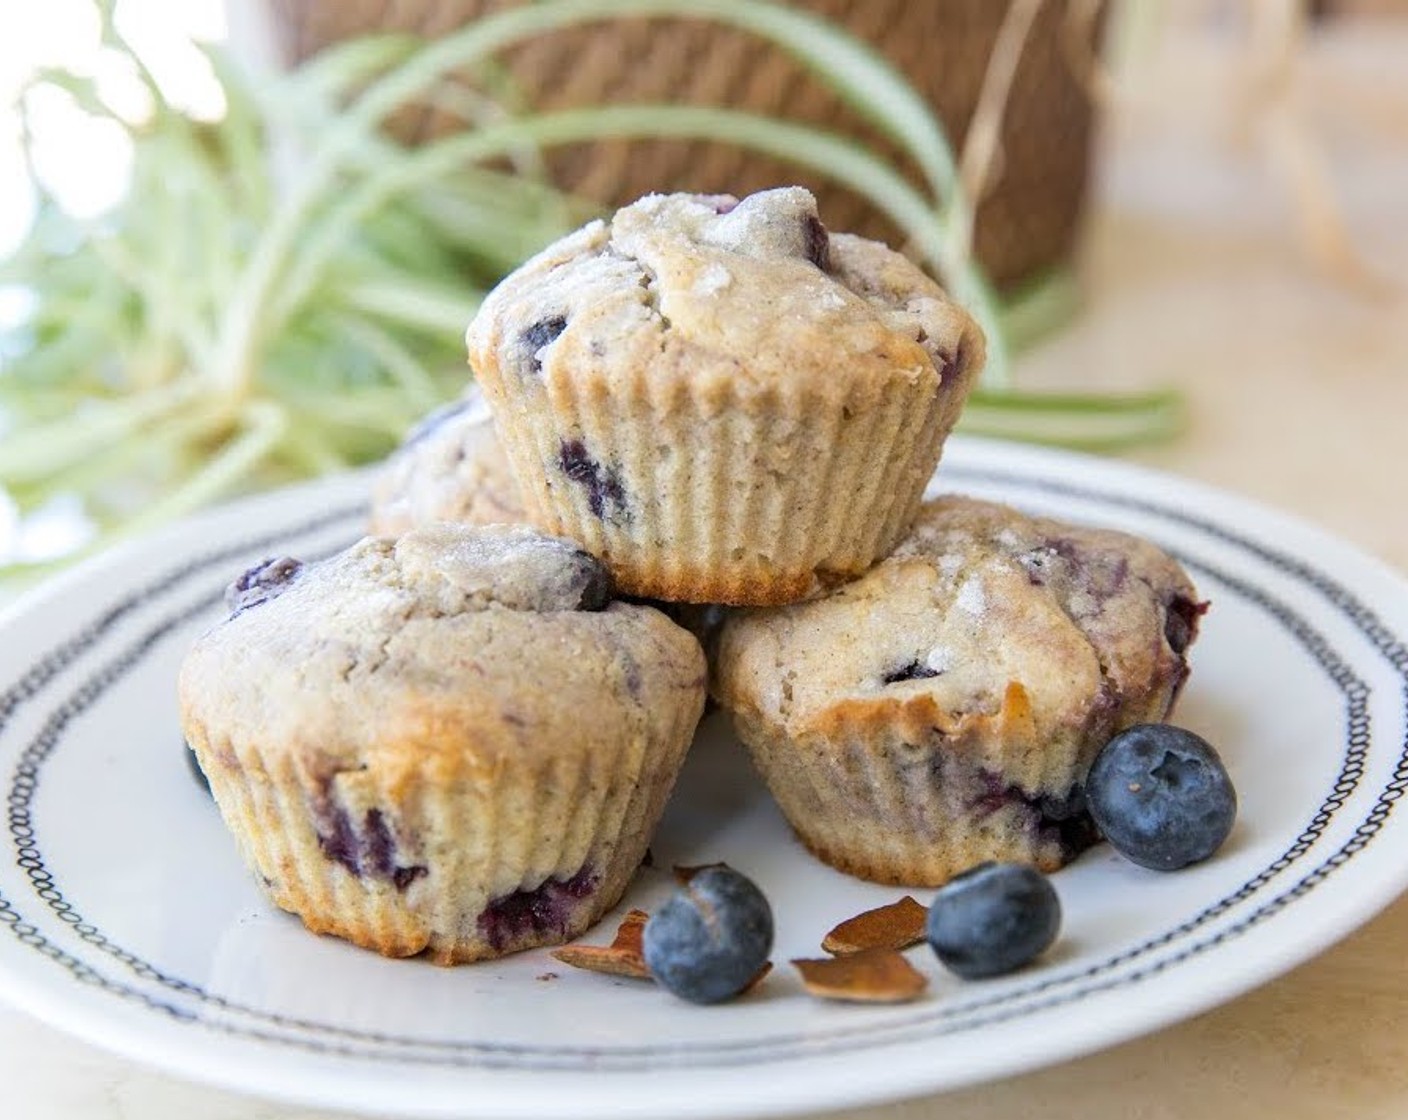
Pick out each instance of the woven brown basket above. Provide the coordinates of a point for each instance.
(1026, 222)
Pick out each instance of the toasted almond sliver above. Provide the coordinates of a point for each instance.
(623, 957)
(896, 926)
(870, 976)
(603, 958)
(630, 933)
(685, 873)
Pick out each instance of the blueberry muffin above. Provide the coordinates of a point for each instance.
(453, 743)
(944, 709)
(450, 467)
(719, 398)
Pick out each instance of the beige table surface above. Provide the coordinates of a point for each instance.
(1299, 393)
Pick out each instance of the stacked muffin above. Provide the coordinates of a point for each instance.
(719, 399)
(714, 402)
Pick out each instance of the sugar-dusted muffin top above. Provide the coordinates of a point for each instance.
(447, 649)
(450, 467)
(1090, 625)
(753, 292)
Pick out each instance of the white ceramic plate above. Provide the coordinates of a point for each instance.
(126, 918)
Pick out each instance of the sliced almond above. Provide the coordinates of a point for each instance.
(896, 926)
(606, 959)
(685, 873)
(870, 976)
(623, 957)
(630, 934)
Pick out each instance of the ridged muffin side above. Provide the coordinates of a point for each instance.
(451, 744)
(944, 709)
(723, 401)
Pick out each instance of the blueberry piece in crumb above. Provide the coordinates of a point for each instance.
(993, 919)
(542, 333)
(262, 582)
(193, 764)
(1068, 819)
(1060, 818)
(368, 852)
(708, 942)
(602, 485)
(817, 242)
(1181, 622)
(597, 586)
(547, 909)
(337, 838)
(914, 671)
(949, 367)
(719, 203)
(1161, 796)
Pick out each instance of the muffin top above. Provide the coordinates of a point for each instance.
(448, 648)
(755, 293)
(450, 467)
(980, 617)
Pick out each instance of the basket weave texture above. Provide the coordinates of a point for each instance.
(1026, 221)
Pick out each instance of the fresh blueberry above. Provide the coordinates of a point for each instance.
(993, 919)
(710, 939)
(1161, 796)
(262, 582)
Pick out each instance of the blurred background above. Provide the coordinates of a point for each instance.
(239, 242)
